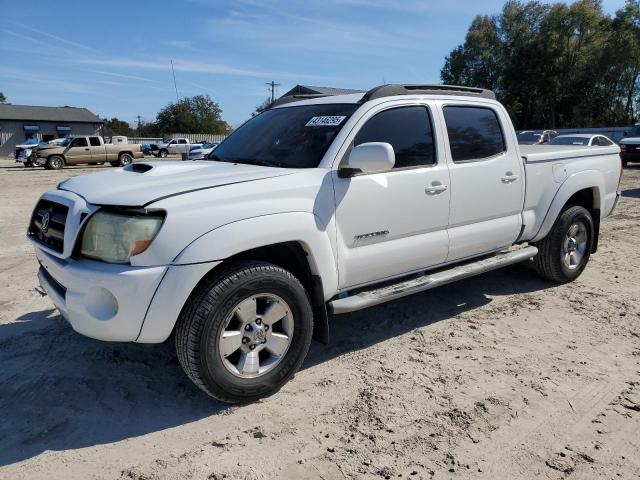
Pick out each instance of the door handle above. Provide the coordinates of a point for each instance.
(435, 188)
(509, 177)
(87, 150)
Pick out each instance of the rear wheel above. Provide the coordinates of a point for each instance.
(563, 254)
(54, 162)
(245, 332)
(123, 159)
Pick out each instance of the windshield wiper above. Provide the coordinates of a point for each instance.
(264, 163)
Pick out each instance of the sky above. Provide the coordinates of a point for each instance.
(114, 58)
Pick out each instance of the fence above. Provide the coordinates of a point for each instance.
(193, 138)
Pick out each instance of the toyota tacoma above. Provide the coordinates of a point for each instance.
(318, 206)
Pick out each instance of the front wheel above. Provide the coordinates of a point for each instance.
(563, 254)
(245, 331)
(54, 162)
(163, 153)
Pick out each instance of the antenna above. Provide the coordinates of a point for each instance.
(175, 85)
(273, 86)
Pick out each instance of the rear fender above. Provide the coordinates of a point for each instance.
(587, 179)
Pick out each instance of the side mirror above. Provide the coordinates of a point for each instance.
(371, 157)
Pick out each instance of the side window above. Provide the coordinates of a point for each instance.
(474, 133)
(182, 141)
(79, 142)
(605, 142)
(407, 129)
(94, 141)
(172, 142)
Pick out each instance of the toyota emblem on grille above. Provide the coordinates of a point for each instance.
(46, 218)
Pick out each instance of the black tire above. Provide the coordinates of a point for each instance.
(114, 164)
(54, 162)
(163, 153)
(203, 317)
(549, 262)
(125, 158)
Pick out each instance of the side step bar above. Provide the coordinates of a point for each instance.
(384, 294)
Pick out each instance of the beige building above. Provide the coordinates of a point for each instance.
(18, 123)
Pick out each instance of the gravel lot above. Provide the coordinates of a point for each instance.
(499, 376)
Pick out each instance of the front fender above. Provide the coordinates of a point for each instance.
(586, 179)
(243, 235)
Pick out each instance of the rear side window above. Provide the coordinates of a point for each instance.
(182, 141)
(79, 142)
(474, 133)
(407, 129)
(94, 141)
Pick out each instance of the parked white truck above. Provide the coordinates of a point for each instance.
(315, 207)
(174, 146)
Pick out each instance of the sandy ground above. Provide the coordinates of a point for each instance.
(499, 376)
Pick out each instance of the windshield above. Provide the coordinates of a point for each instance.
(65, 142)
(569, 141)
(290, 137)
(528, 137)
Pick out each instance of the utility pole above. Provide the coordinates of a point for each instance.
(273, 86)
(138, 126)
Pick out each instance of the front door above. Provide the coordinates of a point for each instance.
(394, 222)
(78, 151)
(487, 180)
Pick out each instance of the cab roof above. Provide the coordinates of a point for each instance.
(387, 90)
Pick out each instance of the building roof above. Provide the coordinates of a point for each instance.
(313, 90)
(47, 114)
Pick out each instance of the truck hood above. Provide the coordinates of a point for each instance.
(142, 183)
(630, 141)
(49, 148)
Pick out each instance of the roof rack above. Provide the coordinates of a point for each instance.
(296, 98)
(391, 90)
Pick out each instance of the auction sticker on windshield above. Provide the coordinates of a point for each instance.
(326, 121)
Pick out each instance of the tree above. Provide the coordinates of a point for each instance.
(262, 107)
(198, 114)
(116, 126)
(3, 99)
(555, 65)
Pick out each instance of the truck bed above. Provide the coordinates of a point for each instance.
(542, 153)
(549, 167)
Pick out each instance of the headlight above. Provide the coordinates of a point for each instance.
(115, 237)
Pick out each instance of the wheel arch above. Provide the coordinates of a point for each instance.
(309, 257)
(584, 189)
(294, 257)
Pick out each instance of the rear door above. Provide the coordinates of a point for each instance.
(98, 153)
(394, 222)
(487, 179)
(78, 151)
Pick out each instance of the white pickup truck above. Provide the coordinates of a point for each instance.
(315, 207)
(175, 145)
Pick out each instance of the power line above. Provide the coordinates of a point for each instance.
(273, 86)
(175, 85)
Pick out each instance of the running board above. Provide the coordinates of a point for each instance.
(384, 294)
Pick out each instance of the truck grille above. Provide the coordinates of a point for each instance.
(47, 224)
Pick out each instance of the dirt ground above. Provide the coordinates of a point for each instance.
(498, 376)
